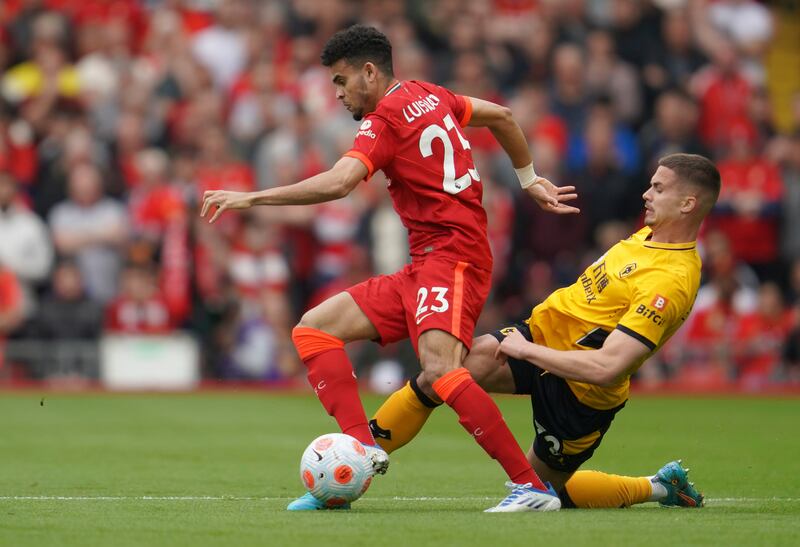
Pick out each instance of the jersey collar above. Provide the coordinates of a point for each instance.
(686, 246)
(393, 88)
(646, 233)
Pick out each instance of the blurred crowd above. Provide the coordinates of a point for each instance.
(116, 115)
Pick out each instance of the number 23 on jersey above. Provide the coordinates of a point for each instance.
(450, 183)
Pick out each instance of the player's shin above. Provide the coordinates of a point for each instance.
(401, 417)
(596, 490)
(330, 374)
(479, 415)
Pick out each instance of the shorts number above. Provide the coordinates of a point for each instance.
(450, 183)
(555, 444)
(440, 303)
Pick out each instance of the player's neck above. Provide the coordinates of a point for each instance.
(675, 233)
(388, 84)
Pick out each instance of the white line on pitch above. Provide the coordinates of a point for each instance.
(279, 498)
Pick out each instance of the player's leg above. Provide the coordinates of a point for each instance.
(319, 338)
(405, 412)
(441, 357)
(596, 490)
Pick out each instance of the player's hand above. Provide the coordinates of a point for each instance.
(223, 200)
(551, 198)
(513, 345)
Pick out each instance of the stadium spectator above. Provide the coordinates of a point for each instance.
(790, 174)
(759, 339)
(11, 313)
(257, 262)
(673, 128)
(705, 357)
(599, 170)
(91, 228)
(260, 345)
(67, 328)
(67, 313)
(139, 308)
(791, 354)
(17, 150)
(720, 262)
(635, 29)
(221, 48)
(569, 97)
(748, 24)
(608, 76)
(748, 210)
(153, 203)
(678, 60)
(25, 247)
(724, 95)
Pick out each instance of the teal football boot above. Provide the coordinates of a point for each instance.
(680, 492)
(307, 502)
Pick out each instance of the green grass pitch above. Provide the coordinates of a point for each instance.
(219, 468)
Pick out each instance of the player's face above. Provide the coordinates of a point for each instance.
(665, 200)
(353, 87)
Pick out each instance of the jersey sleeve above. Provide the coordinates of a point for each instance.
(374, 144)
(657, 304)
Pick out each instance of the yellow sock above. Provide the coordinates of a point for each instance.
(399, 419)
(596, 490)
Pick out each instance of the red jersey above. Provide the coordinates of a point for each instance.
(414, 136)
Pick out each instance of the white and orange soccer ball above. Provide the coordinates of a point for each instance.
(335, 469)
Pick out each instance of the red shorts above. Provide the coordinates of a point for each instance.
(436, 293)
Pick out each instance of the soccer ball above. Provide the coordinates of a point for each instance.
(335, 469)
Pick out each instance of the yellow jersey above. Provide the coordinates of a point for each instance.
(640, 287)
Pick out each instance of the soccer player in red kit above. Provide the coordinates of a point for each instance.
(412, 132)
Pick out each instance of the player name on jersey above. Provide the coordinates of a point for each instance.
(416, 109)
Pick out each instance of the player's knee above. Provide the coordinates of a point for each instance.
(481, 362)
(431, 372)
(310, 320)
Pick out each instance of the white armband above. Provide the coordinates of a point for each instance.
(526, 175)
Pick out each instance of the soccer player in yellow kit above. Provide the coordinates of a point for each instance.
(577, 351)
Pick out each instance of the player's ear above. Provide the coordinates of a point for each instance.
(370, 71)
(689, 204)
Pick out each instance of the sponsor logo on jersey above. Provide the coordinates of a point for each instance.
(416, 109)
(653, 315)
(627, 270)
(659, 302)
(366, 124)
(365, 130)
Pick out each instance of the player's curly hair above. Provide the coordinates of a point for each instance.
(359, 44)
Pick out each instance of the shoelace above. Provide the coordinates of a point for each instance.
(518, 491)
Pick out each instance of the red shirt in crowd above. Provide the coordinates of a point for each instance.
(128, 316)
(723, 105)
(754, 238)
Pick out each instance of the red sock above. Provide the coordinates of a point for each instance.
(331, 375)
(479, 415)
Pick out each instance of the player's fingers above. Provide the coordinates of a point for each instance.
(565, 189)
(498, 352)
(218, 212)
(208, 199)
(566, 210)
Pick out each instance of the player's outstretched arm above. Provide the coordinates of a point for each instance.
(499, 120)
(596, 366)
(335, 183)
